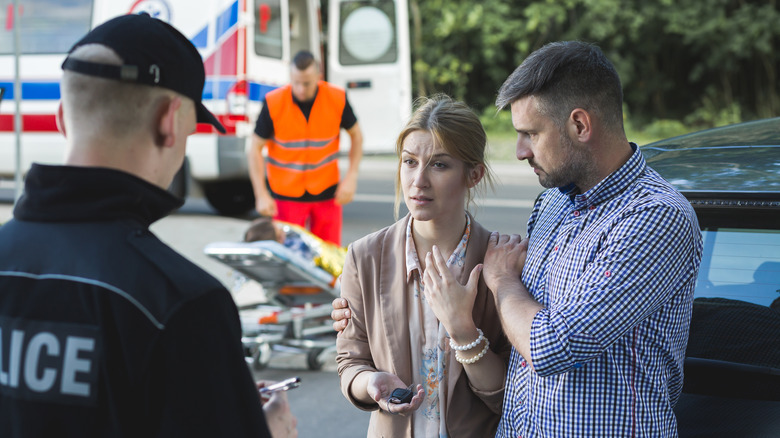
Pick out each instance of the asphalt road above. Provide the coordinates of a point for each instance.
(318, 404)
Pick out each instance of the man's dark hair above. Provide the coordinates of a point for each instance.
(303, 60)
(567, 75)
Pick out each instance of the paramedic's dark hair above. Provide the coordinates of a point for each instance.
(303, 60)
(566, 75)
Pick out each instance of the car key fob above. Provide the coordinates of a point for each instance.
(401, 395)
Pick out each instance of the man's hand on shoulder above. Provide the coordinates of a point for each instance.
(504, 260)
(340, 314)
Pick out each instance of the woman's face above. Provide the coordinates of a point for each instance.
(433, 182)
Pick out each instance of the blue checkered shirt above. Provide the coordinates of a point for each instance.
(615, 270)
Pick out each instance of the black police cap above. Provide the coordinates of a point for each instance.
(153, 53)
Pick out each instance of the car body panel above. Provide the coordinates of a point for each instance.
(738, 158)
(731, 176)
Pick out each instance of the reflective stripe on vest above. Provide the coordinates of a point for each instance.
(303, 156)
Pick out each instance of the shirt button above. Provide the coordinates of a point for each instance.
(522, 364)
(592, 207)
(556, 248)
(576, 213)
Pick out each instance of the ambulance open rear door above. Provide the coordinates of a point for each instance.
(369, 56)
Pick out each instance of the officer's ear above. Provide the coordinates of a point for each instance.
(60, 120)
(166, 121)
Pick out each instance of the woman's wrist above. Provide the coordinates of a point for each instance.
(359, 387)
(462, 333)
(461, 357)
(466, 342)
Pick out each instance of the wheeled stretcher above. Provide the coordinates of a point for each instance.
(296, 316)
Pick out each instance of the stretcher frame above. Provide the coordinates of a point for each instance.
(296, 316)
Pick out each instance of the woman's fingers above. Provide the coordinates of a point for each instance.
(440, 263)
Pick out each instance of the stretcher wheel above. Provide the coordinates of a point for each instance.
(313, 359)
(262, 356)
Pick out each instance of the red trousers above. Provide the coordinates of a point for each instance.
(323, 217)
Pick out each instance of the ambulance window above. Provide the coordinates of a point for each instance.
(268, 29)
(47, 26)
(368, 33)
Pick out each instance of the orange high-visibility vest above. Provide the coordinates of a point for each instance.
(303, 156)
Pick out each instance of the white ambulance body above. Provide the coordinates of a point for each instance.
(246, 47)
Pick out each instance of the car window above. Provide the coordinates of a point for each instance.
(268, 33)
(736, 307)
(368, 32)
(740, 264)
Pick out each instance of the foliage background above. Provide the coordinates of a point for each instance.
(685, 64)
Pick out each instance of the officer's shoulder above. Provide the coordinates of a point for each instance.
(173, 278)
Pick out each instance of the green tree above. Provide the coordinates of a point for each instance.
(463, 48)
(707, 62)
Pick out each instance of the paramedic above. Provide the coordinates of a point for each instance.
(300, 125)
(105, 330)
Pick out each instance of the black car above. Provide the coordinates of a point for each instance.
(731, 175)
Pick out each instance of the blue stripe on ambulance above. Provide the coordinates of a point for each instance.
(50, 90)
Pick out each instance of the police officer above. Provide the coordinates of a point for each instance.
(105, 330)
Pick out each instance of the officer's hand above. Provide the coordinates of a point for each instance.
(281, 422)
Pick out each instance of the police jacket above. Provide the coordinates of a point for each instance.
(104, 330)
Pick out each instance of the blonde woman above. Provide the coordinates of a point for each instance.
(421, 317)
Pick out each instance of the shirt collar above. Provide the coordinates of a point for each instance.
(610, 186)
(69, 193)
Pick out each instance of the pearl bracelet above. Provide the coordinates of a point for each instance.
(475, 358)
(476, 342)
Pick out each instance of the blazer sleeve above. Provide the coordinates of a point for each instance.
(353, 349)
(499, 344)
(487, 318)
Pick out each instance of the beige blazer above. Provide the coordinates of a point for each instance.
(377, 337)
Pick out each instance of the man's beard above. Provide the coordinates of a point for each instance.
(574, 169)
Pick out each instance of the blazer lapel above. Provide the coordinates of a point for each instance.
(394, 299)
(475, 254)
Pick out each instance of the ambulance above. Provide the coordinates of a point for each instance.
(246, 47)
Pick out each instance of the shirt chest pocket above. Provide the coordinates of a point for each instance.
(570, 263)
